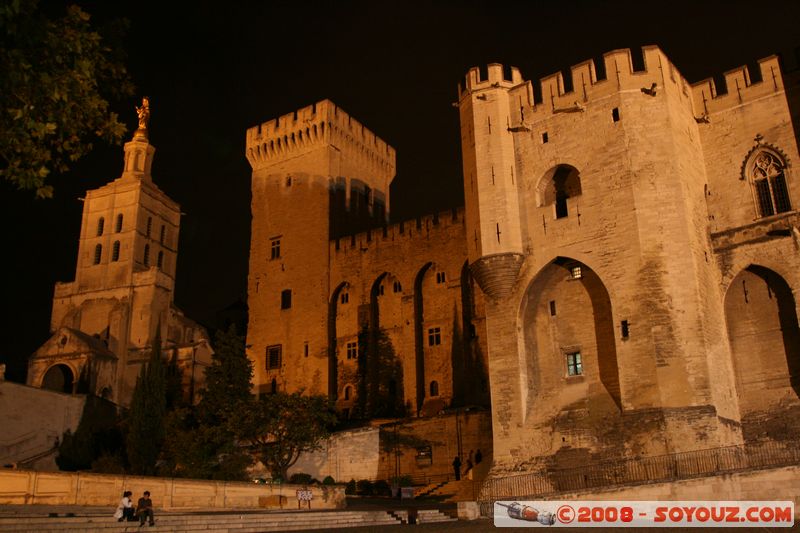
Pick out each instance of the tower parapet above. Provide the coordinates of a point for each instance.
(313, 127)
(558, 93)
(740, 87)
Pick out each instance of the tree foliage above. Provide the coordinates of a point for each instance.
(282, 426)
(203, 440)
(58, 75)
(148, 409)
(97, 435)
(380, 376)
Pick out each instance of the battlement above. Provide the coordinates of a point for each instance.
(740, 87)
(621, 73)
(425, 225)
(313, 126)
(559, 93)
(496, 75)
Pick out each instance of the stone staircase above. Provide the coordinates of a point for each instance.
(426, 490)
(233, 522)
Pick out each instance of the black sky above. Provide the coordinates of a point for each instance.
(213, 69)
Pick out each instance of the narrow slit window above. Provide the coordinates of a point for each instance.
(615, 114)
(101, 223)
(545, 139)
(115, 251)
(286, 299)
(160, 259)
(163, 234)
(146, 258)
(98, 254)
(119, 223)
(149, 228)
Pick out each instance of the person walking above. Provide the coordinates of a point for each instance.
(457, 468)
(145, 509)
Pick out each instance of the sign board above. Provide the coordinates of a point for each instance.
(304, 495)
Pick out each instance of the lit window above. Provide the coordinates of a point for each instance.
(286, 299)
(575, 272)
(574, 365)
(440, 277)
(100, 225)
(434, 388)
(115, 251)
(146, 259)
(769, 181)
(352, 350)
(273, 357)
(344, 298)
(275, 249)
(160, 259)
(98, 254)
(119, 223)
(434, 336)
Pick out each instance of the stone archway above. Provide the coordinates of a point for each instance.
(764, 336)
(571, 360)
(59, 378)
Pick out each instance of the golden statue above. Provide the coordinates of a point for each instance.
(144, 114)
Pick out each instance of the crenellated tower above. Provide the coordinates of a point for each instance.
(317, 174)
(491, 185)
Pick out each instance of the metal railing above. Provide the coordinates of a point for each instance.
(671, 467)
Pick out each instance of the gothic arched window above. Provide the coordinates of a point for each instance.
(98, 254)
(767, 174)
(100, 226)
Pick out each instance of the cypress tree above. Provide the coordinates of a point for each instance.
(148, 408)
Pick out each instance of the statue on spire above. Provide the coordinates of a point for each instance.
(144, 116)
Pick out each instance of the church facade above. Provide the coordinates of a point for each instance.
(104, 322)
(623, 271)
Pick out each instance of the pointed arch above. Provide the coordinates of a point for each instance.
(764, 337)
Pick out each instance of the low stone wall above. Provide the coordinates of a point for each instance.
(74, 488)
(768, 484)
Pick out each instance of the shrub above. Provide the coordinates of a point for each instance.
(403, 481)
(382, 488)
(350, 488)
(300, 478)
(328, 481)
(364, 487)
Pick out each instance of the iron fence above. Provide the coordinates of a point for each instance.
(676, 466)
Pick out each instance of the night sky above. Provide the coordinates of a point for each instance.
(213, 69)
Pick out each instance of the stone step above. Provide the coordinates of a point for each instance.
(234, 522)
(425, 516)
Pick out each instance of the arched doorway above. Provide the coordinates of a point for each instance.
(59, 378)
(764, 337)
